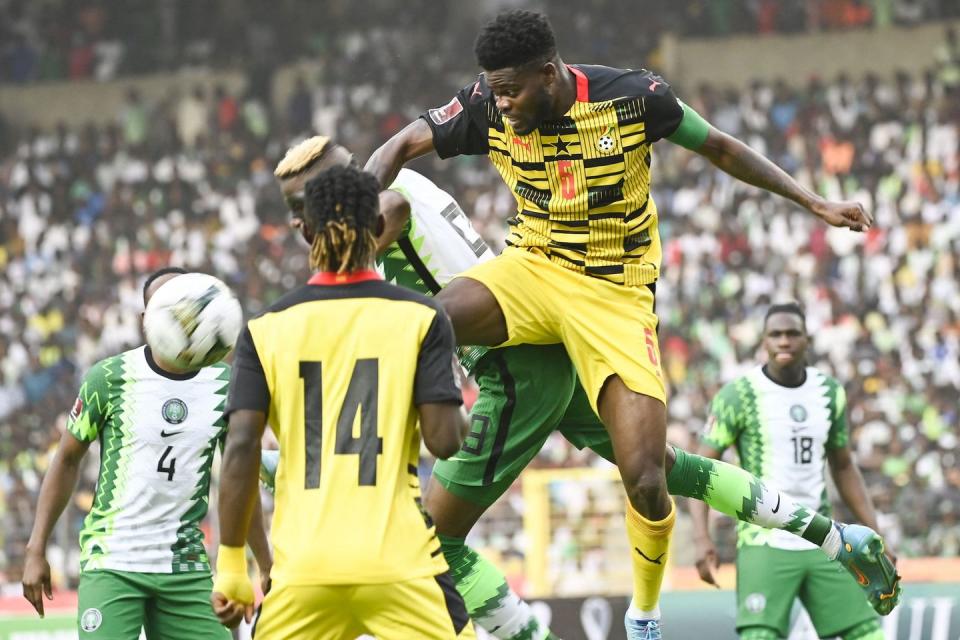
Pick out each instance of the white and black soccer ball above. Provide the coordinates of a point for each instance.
(605, 144)
(192, 321)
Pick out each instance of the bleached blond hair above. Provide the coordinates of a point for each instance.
(301, 157)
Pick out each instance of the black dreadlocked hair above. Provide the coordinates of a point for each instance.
(156, 274)
(341, 209)
(785, 307)
(514, 39)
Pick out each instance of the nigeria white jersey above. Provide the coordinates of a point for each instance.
(157, 432)
(438, 243)
(782, 435)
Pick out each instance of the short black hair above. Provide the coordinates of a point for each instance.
(514, 39)
(785, 307)
(158, 273)
(341, 209)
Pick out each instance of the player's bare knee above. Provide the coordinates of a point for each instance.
(647, 492)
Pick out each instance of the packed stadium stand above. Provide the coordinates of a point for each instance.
(86, 210)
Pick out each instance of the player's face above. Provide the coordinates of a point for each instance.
(293, 188)
(785, 340)
(524, 95)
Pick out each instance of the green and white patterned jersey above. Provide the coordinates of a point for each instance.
(437, 245)
(782, 435)
(157, 434)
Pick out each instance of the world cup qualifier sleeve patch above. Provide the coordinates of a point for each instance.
(447, 112)
(77, 409)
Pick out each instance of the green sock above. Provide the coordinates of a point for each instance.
(869, 630)
(758, 633)
(741, 495)
(490, 602)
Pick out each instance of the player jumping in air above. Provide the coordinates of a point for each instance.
(142, 558)
(786, 419)
(343, 368)
(526, 393)
(574, 143)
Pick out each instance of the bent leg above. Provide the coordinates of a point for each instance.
(524, 391)
(637, 427)
(742, 495)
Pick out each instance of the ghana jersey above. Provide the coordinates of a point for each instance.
(157, 433)
(437, 244)
(582, 183)
(339, 367)
(782, 435)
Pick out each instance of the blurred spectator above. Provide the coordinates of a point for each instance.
(299, 108)
(948, 60)
(134, 119)
(193, 116)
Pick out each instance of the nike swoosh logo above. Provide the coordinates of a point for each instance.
(777, 508)
(164, 434)
(648, 558)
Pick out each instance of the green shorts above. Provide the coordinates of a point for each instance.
(769, 579)
(526, 393)
(114, 605)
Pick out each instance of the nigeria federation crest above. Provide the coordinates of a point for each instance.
(174, 411)
(91, 620)
(798, 413)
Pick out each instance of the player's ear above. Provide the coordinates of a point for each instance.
(548, 72)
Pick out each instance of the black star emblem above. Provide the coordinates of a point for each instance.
(561, 146)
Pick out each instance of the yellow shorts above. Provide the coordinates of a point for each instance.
(428, 608)
(608, 329)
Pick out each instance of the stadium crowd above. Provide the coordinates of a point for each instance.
(103, 39)
(85, 213)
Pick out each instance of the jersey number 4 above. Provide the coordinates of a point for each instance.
(361, 396)
(171, 464)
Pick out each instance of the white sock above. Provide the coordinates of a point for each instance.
(831, 544)
(639, 614)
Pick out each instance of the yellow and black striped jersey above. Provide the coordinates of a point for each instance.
(582, 183)
(339, 366)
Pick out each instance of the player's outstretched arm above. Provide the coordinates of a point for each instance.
(707, 562)
(740, 161)
(259, 544)
(232, 596)
(58, 485)
(413, 141)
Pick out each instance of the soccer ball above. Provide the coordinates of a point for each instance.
(192, 321)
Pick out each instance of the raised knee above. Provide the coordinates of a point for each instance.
(647, 492)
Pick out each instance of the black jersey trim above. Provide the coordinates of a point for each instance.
(148, 355)
(418, 266)
(506, 416)
(456, 608)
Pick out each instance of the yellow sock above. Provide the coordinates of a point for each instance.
(649, 542)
